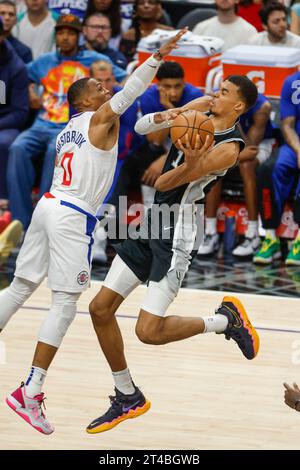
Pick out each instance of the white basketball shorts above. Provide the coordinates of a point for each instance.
(58, 244)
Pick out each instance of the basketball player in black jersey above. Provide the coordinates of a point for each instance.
(163, 256)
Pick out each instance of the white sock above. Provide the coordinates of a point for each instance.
(217, 323)
(35, 381)
(210, 225)
(123, 382)
(270, 233)
(252, 229)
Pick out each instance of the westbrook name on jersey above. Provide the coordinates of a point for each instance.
(74, 137)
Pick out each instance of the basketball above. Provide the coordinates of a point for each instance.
(192, 123)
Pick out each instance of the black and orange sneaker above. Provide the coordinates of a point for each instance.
(239, 327)
(122, 407)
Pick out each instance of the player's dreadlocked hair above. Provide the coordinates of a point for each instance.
(75, 91)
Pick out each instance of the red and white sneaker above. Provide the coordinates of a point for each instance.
(30, 409)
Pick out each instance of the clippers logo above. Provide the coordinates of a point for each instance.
(258, 78)
(82, 278)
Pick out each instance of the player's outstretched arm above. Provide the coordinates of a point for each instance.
(136, 84)
(198, 162)
(153, 122)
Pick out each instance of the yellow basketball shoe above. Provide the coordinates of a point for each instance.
(122, 407)
(239, 327)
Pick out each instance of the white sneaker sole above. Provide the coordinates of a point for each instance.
(209, 253)
(292, 262)
(17, 408)
(277, 255)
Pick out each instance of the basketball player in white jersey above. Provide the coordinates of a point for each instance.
(59, 240)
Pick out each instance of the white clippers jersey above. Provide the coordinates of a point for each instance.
(83, 171)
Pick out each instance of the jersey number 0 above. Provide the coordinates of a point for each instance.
(66, 165)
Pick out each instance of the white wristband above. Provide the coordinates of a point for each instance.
(152, 61)
(146, 124)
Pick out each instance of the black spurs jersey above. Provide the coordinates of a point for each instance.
(166, 242)
(192, 192)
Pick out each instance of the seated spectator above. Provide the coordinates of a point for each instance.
(111, 8)
(144, 22)
(274, 17)
(170, 91)
(128, 141)
(55, 71)
(276, 179)
(258, 133)
(295, 19)
(97, 33)
(226, 25)
(8, 13)
(35, 27)
(249, 10)
(14, 102)
(66, 7)
(127, 10)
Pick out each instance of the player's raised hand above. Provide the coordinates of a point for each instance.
(167, 116)
(166, 48)
(192, 155)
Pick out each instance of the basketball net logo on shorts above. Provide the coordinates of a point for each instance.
(82, 278)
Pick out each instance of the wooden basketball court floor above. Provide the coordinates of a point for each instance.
(204, 393)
